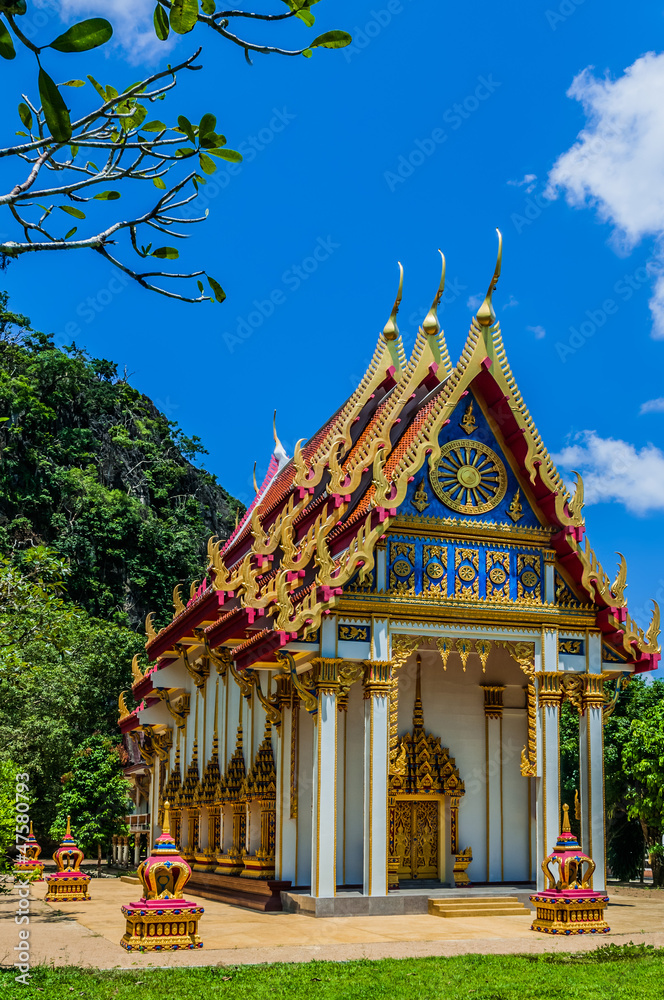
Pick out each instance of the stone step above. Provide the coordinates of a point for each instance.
(485, 907)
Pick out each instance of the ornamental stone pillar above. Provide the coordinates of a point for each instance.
(591, 771)
(286, 805)
(377, 686)
(493, 743)
(137, 849)
(324, 810)
(115, 849)
(549, 699)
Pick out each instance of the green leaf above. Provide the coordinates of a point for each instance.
(71, 232)
(331, 40)
(200, 288)
(153, 127)
(185, 151)
(159, 183)
(98, 87)
(169, 253)
(161, 26)
(187, 128)
(207, 124)
(55, 109)
(16, 7)
(74, 83)
(107, 196)
(227, 154)
(7, 50)
(83, 36)
(219, 293)
(74, 152)
(208, 6)
(307, 17)
(70, 210)
(208, 165)
(25, 114)
(307, 53)
(184, 14)
(24, 134)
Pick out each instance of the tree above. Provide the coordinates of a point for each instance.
(625, 830)
(93, 470)
(111, 125)
(60, 671)
(95, 794)
(643, 757)
(8, 819)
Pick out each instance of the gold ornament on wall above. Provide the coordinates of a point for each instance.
(469, 477)
(468, 422)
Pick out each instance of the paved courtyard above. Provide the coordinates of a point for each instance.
(88, 934)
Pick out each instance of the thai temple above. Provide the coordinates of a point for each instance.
(364, 691)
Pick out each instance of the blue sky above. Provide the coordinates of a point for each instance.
(442, 122)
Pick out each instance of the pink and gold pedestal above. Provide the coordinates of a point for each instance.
(162, 920)
(68, 884)
(28, 863)
(569, 905)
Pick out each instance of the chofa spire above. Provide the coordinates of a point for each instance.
(391, 330)
(486, 315)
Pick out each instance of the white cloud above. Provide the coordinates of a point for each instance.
(539, 331)
(653, 406)
(616, 166)
(510, 302)
(529, 182)
(615, 471)
(132, 20)
(474, 302)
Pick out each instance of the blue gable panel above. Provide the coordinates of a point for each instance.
(481, 433)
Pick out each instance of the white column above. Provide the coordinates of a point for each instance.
(137, 849)
(549, 697)
(324, 818)
(286, 817)
(376, 733)
(493, 731)
(591, 768)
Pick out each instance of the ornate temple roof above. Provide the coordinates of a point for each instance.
(317, 518)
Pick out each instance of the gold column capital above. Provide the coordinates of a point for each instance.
(493, 700)
(326, 675)
(377, 678)
(593, 691)
(550, 689)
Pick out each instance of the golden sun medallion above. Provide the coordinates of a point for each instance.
(469, 477)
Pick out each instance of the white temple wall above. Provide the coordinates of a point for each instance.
(304, 798)
(453, 705)
(351, 850)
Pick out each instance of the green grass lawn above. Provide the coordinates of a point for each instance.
(610, 973)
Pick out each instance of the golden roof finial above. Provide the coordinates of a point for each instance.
(166, 825)
(566, 827)
(485, 314)
(31, 834)
(68, 830)
(136, 670)
(255, 483)
(431, 324)
(391, 330)
(237, 517)
(274, 431)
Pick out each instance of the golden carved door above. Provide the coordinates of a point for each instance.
(416, 838)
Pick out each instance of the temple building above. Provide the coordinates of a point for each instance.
(364, 691)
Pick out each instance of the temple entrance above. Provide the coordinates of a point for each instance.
(417, 837)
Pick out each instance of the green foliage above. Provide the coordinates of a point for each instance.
(632, 735)
(95, 794)
(60, 674)
(102, 511)
(8, 771)
(93, 470)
